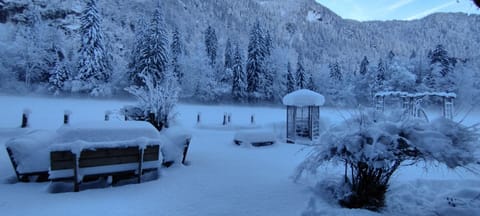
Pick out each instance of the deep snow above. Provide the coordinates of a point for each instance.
(221, 178)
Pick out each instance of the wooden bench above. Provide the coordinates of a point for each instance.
(41, 176)
(103, 161)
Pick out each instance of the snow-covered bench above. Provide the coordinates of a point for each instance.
(29, 154)
(254, 137)
(104, 149)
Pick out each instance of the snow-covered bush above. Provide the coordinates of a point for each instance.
(156, 101)
(372, 148)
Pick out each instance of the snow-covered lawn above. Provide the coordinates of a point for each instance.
(221, 178)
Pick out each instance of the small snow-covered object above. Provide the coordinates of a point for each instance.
(254, 137)
(303, 97)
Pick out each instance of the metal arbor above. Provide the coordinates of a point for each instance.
(411, 102)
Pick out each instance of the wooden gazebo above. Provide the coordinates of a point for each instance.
(303, 115)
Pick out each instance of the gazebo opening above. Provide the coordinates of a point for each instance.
(303, 115)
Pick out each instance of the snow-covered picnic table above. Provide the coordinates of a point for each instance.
(31, 152)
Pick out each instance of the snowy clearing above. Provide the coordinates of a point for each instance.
(221, 178)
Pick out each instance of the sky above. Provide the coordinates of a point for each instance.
(365, 10)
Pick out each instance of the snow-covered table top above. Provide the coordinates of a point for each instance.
(303, 97)
(254, 136)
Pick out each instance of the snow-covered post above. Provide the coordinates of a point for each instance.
(107, 115)
(252, 119)
(66, 116)
(198, 118)
(25, 115)
(185, 150)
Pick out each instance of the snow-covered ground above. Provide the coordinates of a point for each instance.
(221, 178)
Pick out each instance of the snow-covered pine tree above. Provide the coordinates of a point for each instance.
(442, 69)
(134, 66)
(176, 52)
(390, 56)
(154, 56)
(378, 84)
(211, 44)
(239, 85)
(94, 68)
(300, 76)
(226, 77)
(335, 73)
(255, 62)
(291, 81)
(58, 76)
(364, 66)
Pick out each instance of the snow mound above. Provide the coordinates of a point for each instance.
(303, 97)
(29, 150)
(175, 141)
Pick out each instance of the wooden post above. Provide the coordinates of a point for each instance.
(25, 115)
(140, 164)
(66, 117)
(76, 183)
(229, 118)
(252, 119)
(198, 118)
(107, 115)
(224, 119)
(185, 150)
(126, 114)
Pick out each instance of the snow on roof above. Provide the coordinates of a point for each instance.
(303, 97)
(420, 94)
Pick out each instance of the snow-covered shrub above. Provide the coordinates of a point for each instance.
(372, 148)
(156, 100)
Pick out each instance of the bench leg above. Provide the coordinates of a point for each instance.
(140, 164)
(76, 186)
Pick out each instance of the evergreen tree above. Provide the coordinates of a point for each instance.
(441, 76)
(364, 66)
(255, 62)
(268, 43)
(439, 58)
(379, 80)
(390, 56)
(176, 52)
(59, 75)
(291, 81)
(239, 85)
(211, 44)
(228, 63)
(301, 77)
(311, 84)
(141, 43)
(95, 68)
(335, 73)
(154, 58)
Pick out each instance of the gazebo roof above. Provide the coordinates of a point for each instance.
(303, 97)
